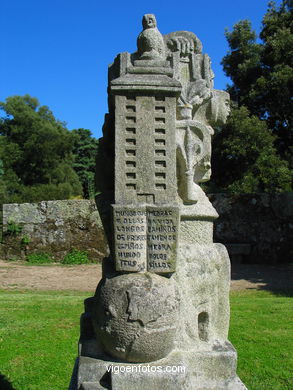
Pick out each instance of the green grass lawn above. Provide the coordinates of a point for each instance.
(261, 330)
(39, 333)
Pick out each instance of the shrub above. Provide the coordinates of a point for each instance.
(39, 258)
(13, 229)
(25, 240)
(76, 257)
(13, 258)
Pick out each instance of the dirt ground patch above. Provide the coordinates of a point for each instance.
(49, 277)
(261, 277)
(86, 277)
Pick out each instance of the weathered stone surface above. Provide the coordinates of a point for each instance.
(196, 231)
(130, 235)
(207, 370)
(150, 42)
(135, 316)
(199, 107)
(203, 274)
(54, 227)
(261, 221)
(162, 238)
(143, 107)
(146, 238)
(145, 163)
(163, 106)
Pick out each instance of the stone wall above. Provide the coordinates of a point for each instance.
(255, 228)
(54, 227)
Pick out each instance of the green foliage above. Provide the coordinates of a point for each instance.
(36, 151)
(245, 159)
(76, 257)
(13, 229)
(262, 73)
(13, 258)
(85, 150)
(25, 240)
(39, 258)
(39, 192)
(253, 151)
(243, 62)
(1, 168)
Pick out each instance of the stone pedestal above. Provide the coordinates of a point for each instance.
(212, 370)
(202, 358)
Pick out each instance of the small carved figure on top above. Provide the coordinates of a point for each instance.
(150, 42)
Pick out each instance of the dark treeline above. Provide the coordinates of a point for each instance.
(40, 159)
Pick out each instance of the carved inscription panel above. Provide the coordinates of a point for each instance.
(162, 237)
(130, 238)
(146, 238)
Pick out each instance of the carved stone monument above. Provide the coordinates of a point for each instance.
(163, 300)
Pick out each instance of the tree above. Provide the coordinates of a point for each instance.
(242, 63)
(262, 73)
(244, 157)
(36, 151)
(85, 150)
(277, 35)
(253, 151)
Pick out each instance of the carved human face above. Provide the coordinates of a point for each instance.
(149, 21)
(224, 106)
(220, 107)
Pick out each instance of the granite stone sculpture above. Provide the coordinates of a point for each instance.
(164, 296)
(150, 42)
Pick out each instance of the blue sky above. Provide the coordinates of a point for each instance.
(59, 50)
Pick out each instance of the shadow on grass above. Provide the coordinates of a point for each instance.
(276, 279)
(5, 384)
(73, 381)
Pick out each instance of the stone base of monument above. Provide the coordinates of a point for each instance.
(202, 358)
(210, 370)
